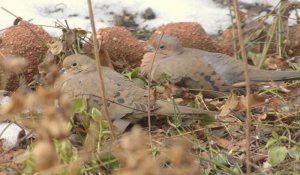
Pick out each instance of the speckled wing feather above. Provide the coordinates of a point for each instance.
(199, 69)
(123, 97)
(193, 70)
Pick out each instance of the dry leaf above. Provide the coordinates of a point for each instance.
(45, 156)
(230, 104)
(275, 63)
(255, 101)
(69, 40)
(56, 48)
(55, 126)
(294, 97)
(13, 64)
(80, 32)
(48, 61)
(222, 142)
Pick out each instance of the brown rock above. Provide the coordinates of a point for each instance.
(19, 40)
(226, 41)
(121, 45)
(190, 34)
(293, 41)
(255, 33)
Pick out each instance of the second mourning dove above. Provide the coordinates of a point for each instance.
(126, 101)
(198, 69)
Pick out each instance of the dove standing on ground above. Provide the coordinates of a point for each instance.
(198, 69)
(126, 101)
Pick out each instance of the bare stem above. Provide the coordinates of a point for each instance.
(149, 86)
(245, 66)
(38, 37)
(235, 50)
(98, 65)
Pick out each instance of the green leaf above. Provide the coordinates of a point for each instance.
(294, 153)
(28, 167)
(105, 125)
(283, 138)
(133, 74)
(275, 135)
(192, 104)
(271, 142)
(221, 159)
(275, 140)
(65, 151)
(207, 120)
(78, 106)
(139, 82)
(277, 154)
(96, 114)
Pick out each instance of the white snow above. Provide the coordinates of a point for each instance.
(9, 135)
(211, 16)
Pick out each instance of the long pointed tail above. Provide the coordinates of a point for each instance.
(265, 75)
(166, 108)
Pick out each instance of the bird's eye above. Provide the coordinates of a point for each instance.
(74, 64)
(161, 46)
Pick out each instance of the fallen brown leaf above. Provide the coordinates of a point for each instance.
(222, 142)
(276, 62)
(255, 101)
(231, 104)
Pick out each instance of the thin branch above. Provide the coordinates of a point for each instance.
(25, 24)
(235, 50)
(16, 144)
(98, 65)
(149, 86)
(9, 12)
(2, 55)
(245, 66)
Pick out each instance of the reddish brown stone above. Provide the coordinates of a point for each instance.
(19, 40)
(293, 41)
(226, 41)
(191, 34)
(122, 46)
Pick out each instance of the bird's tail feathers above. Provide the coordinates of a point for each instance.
(265, 75)
(166, 108)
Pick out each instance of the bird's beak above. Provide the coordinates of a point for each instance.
(149, 48)
(62, 70)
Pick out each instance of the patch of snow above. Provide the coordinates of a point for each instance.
(265, 2)
(10, 135)
(212, 17)
(4, 100)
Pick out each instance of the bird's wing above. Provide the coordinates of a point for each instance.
(196, 69)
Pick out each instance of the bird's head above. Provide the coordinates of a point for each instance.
(166, 46)
(77, 63)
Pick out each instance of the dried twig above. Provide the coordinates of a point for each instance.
(25, 24)
(98, 65)
(245, 66)
(149, 85)
(235, 50)
(2, 55)
(17, 143)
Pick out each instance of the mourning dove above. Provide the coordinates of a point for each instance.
(126, 101)
(198, 69)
